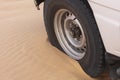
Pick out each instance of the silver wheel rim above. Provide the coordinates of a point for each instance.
(70, 34)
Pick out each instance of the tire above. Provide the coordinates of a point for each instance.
(92, 62)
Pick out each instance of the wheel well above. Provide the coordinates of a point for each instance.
(38, 2)
(85, 1)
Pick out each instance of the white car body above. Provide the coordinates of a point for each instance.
(107, 15)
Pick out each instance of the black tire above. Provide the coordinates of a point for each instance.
(93, 62)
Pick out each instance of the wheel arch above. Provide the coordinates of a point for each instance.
(38, 2)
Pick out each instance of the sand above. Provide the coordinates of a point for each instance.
(25, 53)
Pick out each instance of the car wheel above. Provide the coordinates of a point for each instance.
(71, 28)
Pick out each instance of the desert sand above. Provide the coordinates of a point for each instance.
(25, 52)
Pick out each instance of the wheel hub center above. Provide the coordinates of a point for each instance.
(75, 32)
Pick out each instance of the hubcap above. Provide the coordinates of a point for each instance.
(70, 34)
